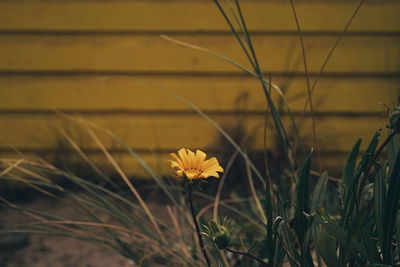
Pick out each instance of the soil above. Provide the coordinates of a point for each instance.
(23, 250)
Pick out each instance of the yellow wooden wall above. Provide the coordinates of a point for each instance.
(97, 58)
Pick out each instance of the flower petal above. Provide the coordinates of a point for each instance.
(177, 160)
(179, 173)
(193, 165)
(217, 168)
(200, 157)
(191, 175)
(211, 163)
(173, 164)
(191, 157)
(184, 157)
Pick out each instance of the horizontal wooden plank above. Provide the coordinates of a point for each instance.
(149, 53)
(149, 132)
(211, 94)
(156, 161)
(164, 16)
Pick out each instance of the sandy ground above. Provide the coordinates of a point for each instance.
(41, 251)
(55, 251)
(64, 252)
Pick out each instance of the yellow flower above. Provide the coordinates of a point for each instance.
(194, 166)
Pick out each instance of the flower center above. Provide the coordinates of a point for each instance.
(193, 170)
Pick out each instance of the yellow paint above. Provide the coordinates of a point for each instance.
(127, 40)
(165, 132)
(194, 15)
(149, 53)
(212, 94)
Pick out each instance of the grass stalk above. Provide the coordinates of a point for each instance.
(303, 53)
(196, 224)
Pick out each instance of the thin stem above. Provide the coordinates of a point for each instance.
(196, 224)
(247, 254)
(237, 35)
(309, 90)
(325, 63)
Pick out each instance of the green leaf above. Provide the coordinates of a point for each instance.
(279, 253)
(379, 200)
(306, 259)
(371, 147)
(348, 182)
(391, 209)
(287, 241)
(302, 224)
(354, 187)
(303, 200)
(325, 246)
(353, 234)
(392, 149)
(268, 212)
(332, 228)
(349, 167)
(366, 162)
(371, 251)
(318, 197)
(283, 235)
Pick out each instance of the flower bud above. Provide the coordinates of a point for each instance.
(222, 239)
(219, 234)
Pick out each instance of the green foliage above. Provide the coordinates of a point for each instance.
(391, 210)
(301, 222)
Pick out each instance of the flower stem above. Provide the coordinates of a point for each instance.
(247, 254)
(203, 249)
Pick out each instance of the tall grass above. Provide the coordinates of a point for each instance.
(268, 226)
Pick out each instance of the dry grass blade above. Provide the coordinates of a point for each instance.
(238, 35)
(325, 63)
(27, 183)
(128, 183)
(101, 225)
(192, 46)
(303, 51)
(11, 167)
(181, 245)
(83, 155)
(56, 224)
(330, 178)
(218, 197)
(24, 170)
(147, 256)
(254, 193)
(221, 184)
(244, 69)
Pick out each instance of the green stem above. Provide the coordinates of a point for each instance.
(203, 249)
